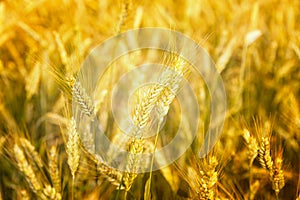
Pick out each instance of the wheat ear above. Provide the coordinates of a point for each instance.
(49, 193)
(208, 179)
(252, 152)
(24, 195)
(31, 151)
(252, 145)
(2, 141)
(126, 8)
(133, 162)
(53, 169)
(141, 118)
(83, 99)
(265, 155)
(142, 113)
(26, 168)
(112, 175)
(277, 176)
(171, 80)
(72, 147)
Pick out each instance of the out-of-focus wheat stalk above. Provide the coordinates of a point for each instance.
(54, 168)
(2, 141)
(24, 195)
(124, 14)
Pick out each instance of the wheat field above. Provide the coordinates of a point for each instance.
(255, 46)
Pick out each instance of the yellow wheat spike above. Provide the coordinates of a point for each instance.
(26, 168)
(72, 146)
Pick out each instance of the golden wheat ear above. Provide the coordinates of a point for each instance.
(128, 15)
(83, 99)
(64, 82)
(252, 145)
(30, 150)
(112, 175)
(277, 176)
(26, 168)
(72, 146)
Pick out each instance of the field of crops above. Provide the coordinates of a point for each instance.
(54, 117)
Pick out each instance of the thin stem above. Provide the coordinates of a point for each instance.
(153, 156)
(250, 178)
(73, 180)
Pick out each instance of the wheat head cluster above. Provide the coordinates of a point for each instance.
(256, 49)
